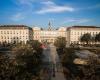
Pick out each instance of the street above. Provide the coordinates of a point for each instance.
(52, 64)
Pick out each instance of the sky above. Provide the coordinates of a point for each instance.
(58, 12)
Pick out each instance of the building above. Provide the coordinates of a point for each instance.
(74, 33)
(15, 33)
(48, 35)
(22, 33)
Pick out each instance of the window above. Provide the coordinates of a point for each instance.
(81, 33)
(96, 32)
(1, 32)
(93, 33)
(8, 41)
(1, 37)
(78, 33)
(7, 32)
(20, 32)
(74, 33)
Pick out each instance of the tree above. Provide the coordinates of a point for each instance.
(86, 38)
(91, 70)
(97, 37)
(60, 42)
(36, 45)
(26, 57)
(22, 64)
(73, 71)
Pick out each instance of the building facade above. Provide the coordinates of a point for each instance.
(22, 33)
(74, 33)
(48, 35)
(15, 33)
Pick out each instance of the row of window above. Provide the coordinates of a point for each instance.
(12, 32)
(15, 41)
(46, 33)
(81, 33)
(7, 37)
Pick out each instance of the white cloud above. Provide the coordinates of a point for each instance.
(77, 21)
(17, 17)
(48, 3)
(84, 20)
(51, 7)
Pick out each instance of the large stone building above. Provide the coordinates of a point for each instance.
(74, 33)
(15, 33)
(48, 35)
(21, 33)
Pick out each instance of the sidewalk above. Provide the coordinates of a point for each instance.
(58, 76)
(52, 56)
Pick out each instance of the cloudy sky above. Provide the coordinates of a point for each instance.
(59, 12)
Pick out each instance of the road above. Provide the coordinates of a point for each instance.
(51, 60)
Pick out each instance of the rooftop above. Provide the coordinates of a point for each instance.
(85, 27)
(14, 27)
